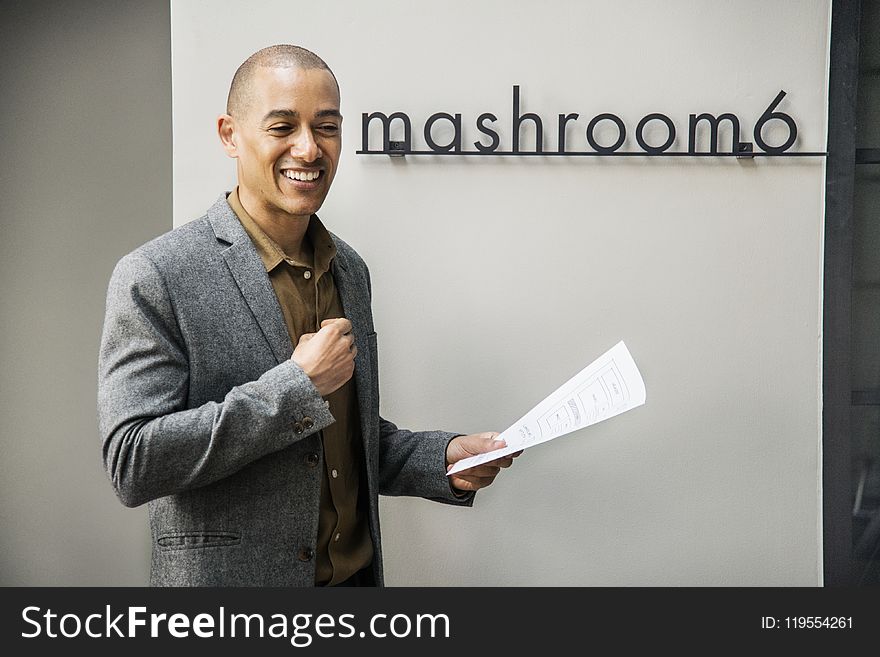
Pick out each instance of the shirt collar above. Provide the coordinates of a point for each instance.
(271, 253)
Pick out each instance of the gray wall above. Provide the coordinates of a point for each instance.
(85, 177)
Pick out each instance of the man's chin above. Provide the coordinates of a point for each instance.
(302, 211)
(298, 208)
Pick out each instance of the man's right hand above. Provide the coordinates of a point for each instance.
(327, 356)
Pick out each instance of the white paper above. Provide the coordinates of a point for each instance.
(608, 386)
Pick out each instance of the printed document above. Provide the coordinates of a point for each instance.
(608, 386)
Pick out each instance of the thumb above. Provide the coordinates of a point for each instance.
(482, 442)
(490, 441)
(496, 444)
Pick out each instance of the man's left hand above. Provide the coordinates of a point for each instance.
(481, 475)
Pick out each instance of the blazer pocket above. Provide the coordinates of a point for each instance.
(197, 540)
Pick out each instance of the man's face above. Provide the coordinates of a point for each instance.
(287, 141)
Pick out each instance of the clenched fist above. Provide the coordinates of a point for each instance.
(327, 357)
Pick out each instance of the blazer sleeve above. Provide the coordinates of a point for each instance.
(414, 463)
(153, 445)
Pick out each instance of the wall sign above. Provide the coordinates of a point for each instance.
(488, 145)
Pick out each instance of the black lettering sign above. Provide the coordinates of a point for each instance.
(621, 133)
(563, 120)
(640, 138)
(770, 115)
(487, 125)
(386, 130)
(455, 144)
(518, 120)
(713, 131)
(481, 126)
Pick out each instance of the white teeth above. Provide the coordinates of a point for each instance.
(305, 176)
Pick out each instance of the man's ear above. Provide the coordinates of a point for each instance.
(226, 132)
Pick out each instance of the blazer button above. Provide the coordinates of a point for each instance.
(305, 554)
(297, 428)
(312, 460)
(307, 423)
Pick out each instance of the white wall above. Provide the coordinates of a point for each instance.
(497, 279)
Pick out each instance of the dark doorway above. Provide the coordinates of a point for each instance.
(851, 345)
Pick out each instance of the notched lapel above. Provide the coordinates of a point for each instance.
(250, 275)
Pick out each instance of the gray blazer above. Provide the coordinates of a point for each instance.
(203, 414)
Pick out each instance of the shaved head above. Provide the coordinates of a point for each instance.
(278, 56)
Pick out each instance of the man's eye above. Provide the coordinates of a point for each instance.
(330, 128)
(280, 129)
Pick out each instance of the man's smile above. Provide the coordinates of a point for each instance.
(304, 179)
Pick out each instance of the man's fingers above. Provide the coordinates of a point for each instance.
(484, 470)
(468, 482)
(305, 337)
(462, 447)
(480, 443)
(340, 323)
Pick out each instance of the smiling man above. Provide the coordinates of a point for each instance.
(238, 389)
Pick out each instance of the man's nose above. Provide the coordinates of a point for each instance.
(305, 147)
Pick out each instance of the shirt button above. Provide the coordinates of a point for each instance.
(334, 473)
(307, 423)
(305, 554)
(297, 428)
(307, 274)
(312, 460)
(337, 537)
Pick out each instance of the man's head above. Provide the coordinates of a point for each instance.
(283, 125)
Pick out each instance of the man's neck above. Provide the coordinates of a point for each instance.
(287, 231)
